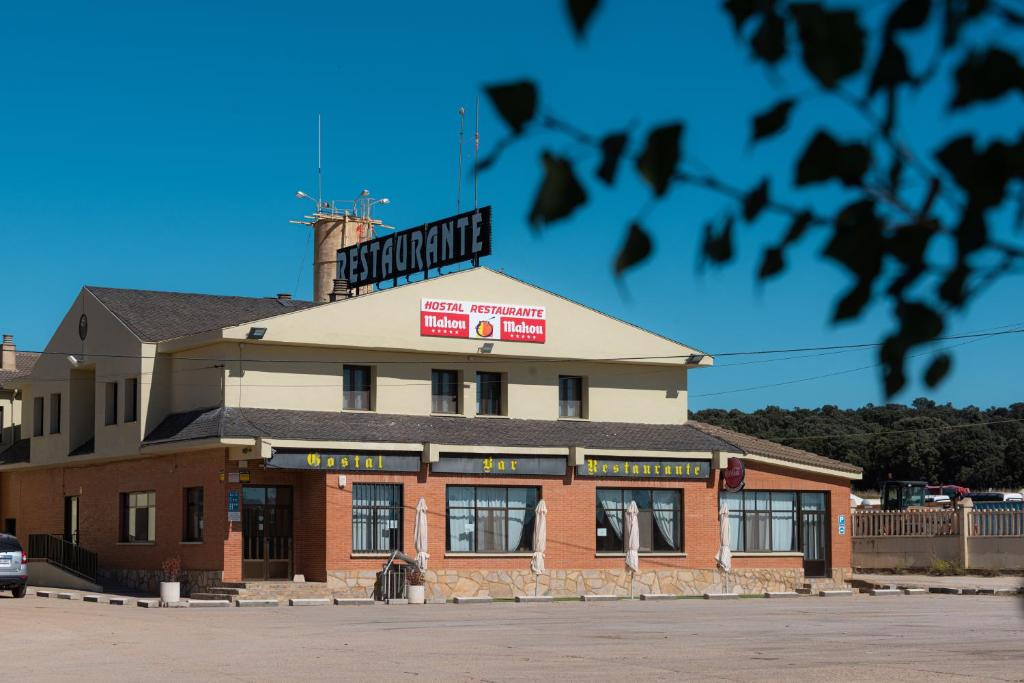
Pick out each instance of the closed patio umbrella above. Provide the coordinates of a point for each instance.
(540, 542)
(419, 534)
(632, 542)
(724, 556)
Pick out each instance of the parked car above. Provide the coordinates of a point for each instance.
(13, 566)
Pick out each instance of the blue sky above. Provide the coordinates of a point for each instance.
(159, 145)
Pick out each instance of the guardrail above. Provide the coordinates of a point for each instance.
(917, 523)
(68, 556)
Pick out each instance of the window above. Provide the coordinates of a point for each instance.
(660, 519)
(193, 531)
(3, 424)
(110, 398)
(55, 413)
(376, 518)
(131, 399)
(488, 393)
(444, 391)
(356, 387)
(37, 416)
(138, 517)
(491, 519)
(570, 396)
(762, 521)
(11, 526)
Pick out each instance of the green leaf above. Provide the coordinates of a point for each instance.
(515, 102)
(851, 305)
(858, 241)
(953, 289)
(718, 246)
(891, 69)
(798, 227)
(987, 76)
(658, 161)
(938, 369)
(636, 248)
(612, 147)
(772, 121)
(908, 14)
(769, 42)
(581, 12)
(755, 201)
(559, 194)
(825, 159)
(832, 42)
(772, 263)
(740, 11)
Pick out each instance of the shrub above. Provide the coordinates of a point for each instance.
(945, 568)
(171, 569)
(415, 577)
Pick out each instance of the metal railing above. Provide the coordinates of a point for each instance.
(392, 579)
(68, 556)
(867, 523)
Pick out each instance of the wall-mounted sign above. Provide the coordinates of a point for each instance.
(234, 512)
(512, 465)
(842, 525)
(470, 320)
(734, 475)
(465, 237)
(643, 469)
(343, 461)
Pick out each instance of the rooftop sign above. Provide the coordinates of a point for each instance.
(465, 237)
(470, 320)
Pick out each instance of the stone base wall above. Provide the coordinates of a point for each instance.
(507, 583)
(148, 580)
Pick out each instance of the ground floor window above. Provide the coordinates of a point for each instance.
(770, 521)
(193, 532)
(376, 517)
(660, 519)
(138, 517)
(491, 519)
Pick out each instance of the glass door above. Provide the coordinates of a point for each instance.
(266, 532)
(71, 519)
(814, 535)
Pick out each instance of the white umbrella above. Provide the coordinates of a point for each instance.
(540, 542)
(724, 556)
(632, 542)
(419, 534)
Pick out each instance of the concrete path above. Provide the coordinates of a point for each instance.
(927, 581)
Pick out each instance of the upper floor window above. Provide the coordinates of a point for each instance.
(356, 384)
(488, 393)
(444, 391)
(570, 396)
(55, 413)
(3, 425)
(659, 519)
(131, 399)
(110, 403)
(37, 416)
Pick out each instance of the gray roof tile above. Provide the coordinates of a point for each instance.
(24, 361)
(770, 449)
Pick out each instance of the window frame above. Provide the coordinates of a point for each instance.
(797, 543)
(193, 509)
(582, 410)
(110, 392)
(131, 399)
(375, 519)
(345, 390)
(528, 522)
(128, 506)
(502, 407)
(3, 426)
(681, 526)
(55, 412)
(38, 417)
(457, 391)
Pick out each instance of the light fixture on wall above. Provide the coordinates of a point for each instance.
(256, 333)
(694, 358)
(487, 348)
(75, 361)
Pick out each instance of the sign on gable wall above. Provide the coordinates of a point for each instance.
(472, 320)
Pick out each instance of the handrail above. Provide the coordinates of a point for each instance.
(68, 556)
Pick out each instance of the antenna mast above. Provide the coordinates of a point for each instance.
(319, 166)
(458, 191)
(476, 149)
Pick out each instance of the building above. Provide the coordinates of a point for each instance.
(15, 366)
(260, 439)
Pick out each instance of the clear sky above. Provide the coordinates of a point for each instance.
(159, 145)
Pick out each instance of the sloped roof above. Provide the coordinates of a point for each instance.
(377, 427)
(24, 362)
(769, 449)
(16, 453)
(158, 316)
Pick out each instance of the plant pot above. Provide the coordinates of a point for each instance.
(170, 591)
(417, 595)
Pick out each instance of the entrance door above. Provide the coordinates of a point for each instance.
(266, 532)
(71, 519)
(814, 535)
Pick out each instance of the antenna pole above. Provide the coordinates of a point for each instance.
(319, 167)
(458, 191)
(476, 149)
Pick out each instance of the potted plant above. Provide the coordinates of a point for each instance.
(170, 588)
(415, 590)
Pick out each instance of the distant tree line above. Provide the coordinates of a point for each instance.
(908, 442)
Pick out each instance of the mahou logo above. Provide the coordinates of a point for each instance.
(471, 320)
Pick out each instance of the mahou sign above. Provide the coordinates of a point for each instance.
(470, 320)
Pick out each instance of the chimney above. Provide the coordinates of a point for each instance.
(284, 296)
(8, 359)
(340, 290)
(331, 233)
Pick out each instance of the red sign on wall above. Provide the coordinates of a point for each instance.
(471, 320)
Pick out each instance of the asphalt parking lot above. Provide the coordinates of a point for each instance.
(927, 637)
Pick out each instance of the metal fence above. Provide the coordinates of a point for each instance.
(68, 556)
(393, 578)
(867, 523)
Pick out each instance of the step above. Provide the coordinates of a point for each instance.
(209, 603)
(396, 601)
(210, 596)
(231, 584)
(835, 594)
(147, 603)
(354, 601)
(598, 598)
(308, 602)
(782, 594)
(225, 590)
(255, 603)
(118, 601)
(535, 598)
(721, 596)
(657, 596)
(90, 598)
(473, 599)
(885, 591)
(914, 591)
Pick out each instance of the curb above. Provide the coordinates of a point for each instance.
(354, 601)
(598, 598)
(473, 600)
(534, 598)
(256, 603)
(721, 596)
(657, 596)
(835, 594)
(209, 603)
(885, 591)
(782, 594)
(308, 602)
